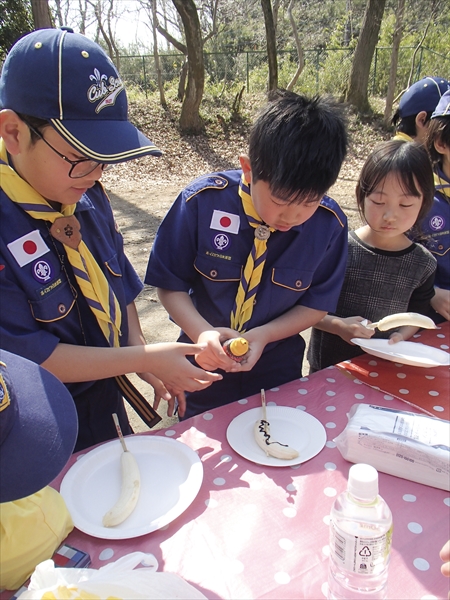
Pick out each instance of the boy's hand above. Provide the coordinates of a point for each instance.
(351, 327)
(213, 356)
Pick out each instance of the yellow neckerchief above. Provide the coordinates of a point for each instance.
(251, 276)
(442, 183)
(402, 136)
(90, 277)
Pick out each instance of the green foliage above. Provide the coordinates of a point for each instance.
(15, 21)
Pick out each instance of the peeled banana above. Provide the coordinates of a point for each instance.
(271, 447)
(401, 319)
(129, 494)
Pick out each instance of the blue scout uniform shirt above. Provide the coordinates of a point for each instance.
(203, 243)
(435, 229)
(42, 304)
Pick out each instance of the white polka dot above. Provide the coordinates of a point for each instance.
(401, 375)
(403, 391)
(170, 432)
(285, 544)
(387, 397)
(438, 408)
(292, 487)
(326, 550)
(150, 561)
(211, 503)
(289, 512)
(331, 380)
(81, 456)
(106, 554)
(416, 335)
(165, 528)
(409, 498)
(329, 492)
(421, 564)
(304, 378)
(295, 466)
(440, 335)
(373, 363)
(359, 396)
(271, 403)
(219, 481)
(357, 381)
(330, 425)
(373, 374)
(330, 408)
(243, 401)
(433, 393)
(430, 377)
(282, 578)
(444, 347)
(301, 407)
(208, 416)
(225, 458)
(331, 393)
(375, 387)
(399, 365)
(302, 391)
(326, 519)
(415, 527)
(447, 501)
(330, 444)
(276, 389)
(329, 466)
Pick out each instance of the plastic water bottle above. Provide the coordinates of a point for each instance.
(360, 538)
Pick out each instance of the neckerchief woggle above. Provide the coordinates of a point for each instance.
(252, 273)
(91, 279)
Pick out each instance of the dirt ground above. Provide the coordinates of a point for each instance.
(139, 209)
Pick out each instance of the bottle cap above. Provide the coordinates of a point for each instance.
(363, 482)
(239, 346)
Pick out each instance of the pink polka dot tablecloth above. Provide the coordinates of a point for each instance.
(262, 532)
(426, 388)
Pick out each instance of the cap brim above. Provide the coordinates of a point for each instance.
(44, 431)
(106, 141)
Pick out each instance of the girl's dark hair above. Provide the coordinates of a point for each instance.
(297, 145)
(438, 131)
(34, 122)
(411, 163)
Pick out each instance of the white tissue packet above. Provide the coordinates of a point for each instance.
(405, 444)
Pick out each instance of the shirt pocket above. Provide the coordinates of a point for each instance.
(293, 280)
(55, 304)
(113, 266)
(217, 270)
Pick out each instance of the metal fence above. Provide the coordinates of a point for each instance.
(325, 71)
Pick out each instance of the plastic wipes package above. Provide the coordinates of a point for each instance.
(405, 444)
(118, 580)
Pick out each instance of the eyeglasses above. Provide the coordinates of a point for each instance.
(80, 168)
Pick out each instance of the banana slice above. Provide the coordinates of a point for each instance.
(129, 494)
(261, 431)
(401, 319)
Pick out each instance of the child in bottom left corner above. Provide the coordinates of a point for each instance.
(38, 431)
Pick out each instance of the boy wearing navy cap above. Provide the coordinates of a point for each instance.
(435, 228)
(67, 287)
(258, 252)
(416, 107)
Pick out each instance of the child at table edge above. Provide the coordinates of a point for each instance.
(64, 107)
(386, 272)
(205, 249)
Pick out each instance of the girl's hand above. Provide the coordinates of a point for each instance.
(441, 302)
(351, 327)
(213, 356)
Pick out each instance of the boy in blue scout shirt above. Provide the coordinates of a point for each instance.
(258, 252)
(66, 285)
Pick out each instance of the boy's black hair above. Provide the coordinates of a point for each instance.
(407, 124)
(35, 122)
(297, 145)
(438, 131)
(411, 163)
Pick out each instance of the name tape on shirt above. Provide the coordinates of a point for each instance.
(29, 247)
(223, 221)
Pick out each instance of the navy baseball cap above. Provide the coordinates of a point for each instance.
(443, 108)
(422, 95)
(67, 79)
(38, 427)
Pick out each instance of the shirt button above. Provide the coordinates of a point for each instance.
(440, 247)
(213, 273)
(254, 301)
(298, 283)
(61, 309)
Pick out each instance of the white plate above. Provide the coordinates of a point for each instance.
(171, 476)
(290, 426)
(406, 353)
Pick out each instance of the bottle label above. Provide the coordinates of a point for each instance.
(358, 554)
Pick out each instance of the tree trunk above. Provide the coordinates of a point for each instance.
(396, 39)
(41, 14)
(357, 92)
(162, 97)
(271, 44)
(190, 119)
(298, 44)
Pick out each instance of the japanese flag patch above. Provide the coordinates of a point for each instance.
(223, 221)
(29, 247)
